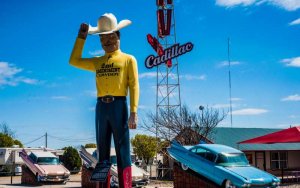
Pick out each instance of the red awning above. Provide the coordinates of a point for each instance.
(290, 135)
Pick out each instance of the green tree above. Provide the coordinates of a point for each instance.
(71, 159)
(90, 145)
(162, 145)
(144, 146)
(18, 142)
(7, 136)
(6, 140)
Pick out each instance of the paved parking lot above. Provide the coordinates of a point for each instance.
(75, 181)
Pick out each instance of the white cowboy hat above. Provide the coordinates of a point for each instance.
(107, 23)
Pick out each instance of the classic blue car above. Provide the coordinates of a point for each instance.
(226, 166)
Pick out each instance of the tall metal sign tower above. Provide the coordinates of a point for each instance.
(167, 80)
(168, 85)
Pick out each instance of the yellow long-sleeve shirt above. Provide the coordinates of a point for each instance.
(115, 72)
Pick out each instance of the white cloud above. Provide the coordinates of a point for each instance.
(91, 93)
(27, 80)
(289, 5)
(236, 99)
(293, 116)
(286, 125)
(225, 63)
(225, 105)
(249, 111)
(189, 77)
(142, 107)
(91, 108)
(295, 22)
(193, 77)
(163, 92)
(148, 75)
(295, 97)
(231, 3)
(261, 2)
(221, 106)
(63, 98)
(97, 52)
(292, 62)
(8, 75)
(8, 70)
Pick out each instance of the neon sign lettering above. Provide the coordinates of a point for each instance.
(168, 54)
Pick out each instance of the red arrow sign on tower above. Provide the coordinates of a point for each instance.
(157, 47)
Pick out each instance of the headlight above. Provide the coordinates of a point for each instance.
(228, 183)
(135, 178)
(43, 178)
(275, 183)
(246, 185)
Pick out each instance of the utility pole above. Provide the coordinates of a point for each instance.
(46, 139)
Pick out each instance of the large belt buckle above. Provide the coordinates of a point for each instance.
(107, 99)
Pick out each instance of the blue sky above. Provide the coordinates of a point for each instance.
(40, 92)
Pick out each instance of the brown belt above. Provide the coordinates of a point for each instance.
(110, 98)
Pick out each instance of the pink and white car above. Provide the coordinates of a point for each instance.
(45, 166)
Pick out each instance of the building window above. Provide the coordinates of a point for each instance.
(279, 160)
(249, 157)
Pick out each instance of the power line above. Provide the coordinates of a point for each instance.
(61, 139)
(34, 140)
(71, 139)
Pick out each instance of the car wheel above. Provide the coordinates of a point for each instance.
(228, 184)
(184, 167)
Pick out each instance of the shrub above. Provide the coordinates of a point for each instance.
(71, 159)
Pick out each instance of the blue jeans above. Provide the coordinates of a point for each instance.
(112, 119)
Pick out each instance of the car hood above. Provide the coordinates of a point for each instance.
(138, 172)
(252, 174)
(54, 169)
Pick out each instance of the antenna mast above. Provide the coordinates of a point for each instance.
(229, 77)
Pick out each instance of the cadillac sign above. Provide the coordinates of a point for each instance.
(165, 55)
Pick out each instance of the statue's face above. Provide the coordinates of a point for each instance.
(110, 42)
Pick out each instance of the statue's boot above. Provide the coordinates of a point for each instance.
(125, 177)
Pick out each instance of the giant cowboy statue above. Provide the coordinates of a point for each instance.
(115, 73)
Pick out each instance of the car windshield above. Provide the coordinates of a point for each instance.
(232, 159)
(48, 161)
